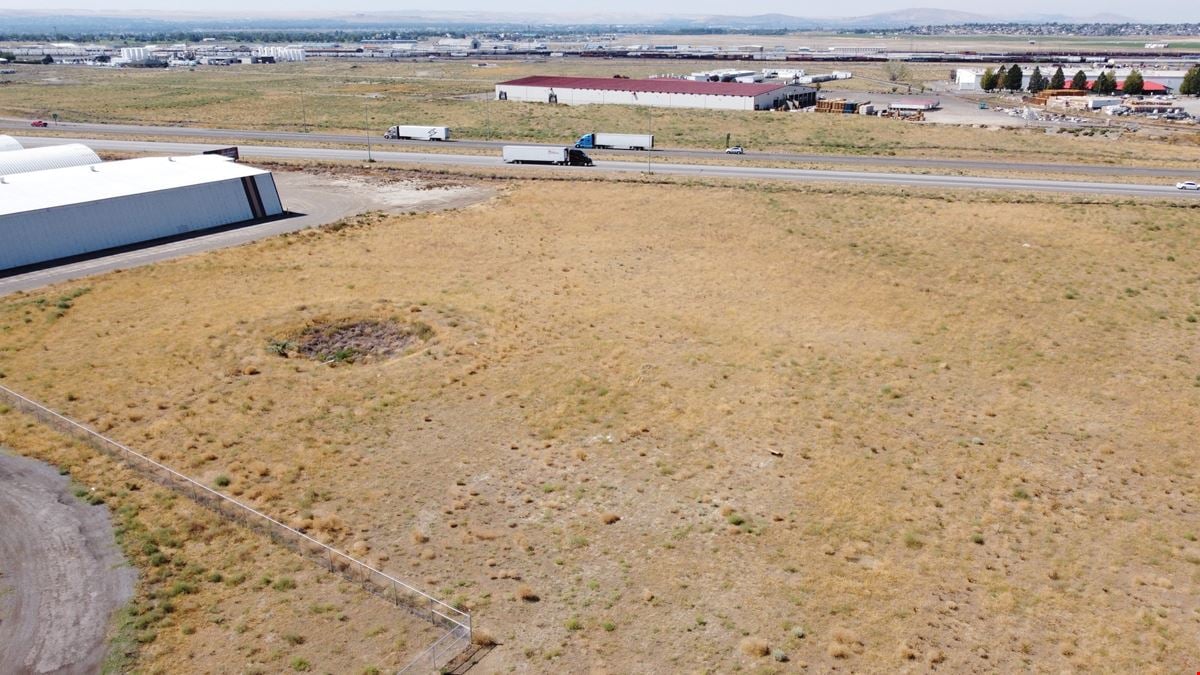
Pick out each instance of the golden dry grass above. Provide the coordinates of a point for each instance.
(927, 428)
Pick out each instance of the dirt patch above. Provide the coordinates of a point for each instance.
(355, 341)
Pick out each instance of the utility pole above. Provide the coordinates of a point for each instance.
(367, 127)
(650, 128)
(303, 114)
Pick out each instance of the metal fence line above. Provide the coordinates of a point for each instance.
(379, 583)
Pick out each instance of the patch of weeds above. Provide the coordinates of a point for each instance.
(911, 540)
(735, 519)
(608, 626)
(573, 624)
(1020, 493)
(222, 481)
(281, 347)
(293, 639)
(284, 584)
(301, 665)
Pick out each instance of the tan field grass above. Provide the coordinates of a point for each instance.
(332, 97)
(676, 428)
(213, 597)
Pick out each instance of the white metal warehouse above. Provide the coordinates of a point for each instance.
(661, 93)
(59, 213)
(49, 157)
(9, 143)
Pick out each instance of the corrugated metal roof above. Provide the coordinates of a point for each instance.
(1147, 86)
(49, 157)
(9, 143)
(82, 184)
(655, 86)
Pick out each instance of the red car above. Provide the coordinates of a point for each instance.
(38, 123)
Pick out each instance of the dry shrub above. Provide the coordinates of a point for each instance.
(843, 643)
(329, 523)
(527, 594)
(482, 638)
(756, 647)
(418, 537)
(609, 518)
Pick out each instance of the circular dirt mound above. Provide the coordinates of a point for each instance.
(349, 342)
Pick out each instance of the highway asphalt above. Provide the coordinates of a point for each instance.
(860, 178)
(1172, 174)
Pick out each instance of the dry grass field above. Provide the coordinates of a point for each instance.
(332, 97)
(675, 427)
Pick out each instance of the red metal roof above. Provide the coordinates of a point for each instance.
(655, 86)
(1147, 86)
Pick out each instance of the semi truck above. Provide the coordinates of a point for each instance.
(541, 154)
(615, 141)
(419, 133)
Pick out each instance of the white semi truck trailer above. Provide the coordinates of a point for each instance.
(615, 141)
(542, 154)
(419, 133)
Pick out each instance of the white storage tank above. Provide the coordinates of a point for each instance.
(49, 157)
(9, 143)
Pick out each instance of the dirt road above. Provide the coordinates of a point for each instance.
(61, 573)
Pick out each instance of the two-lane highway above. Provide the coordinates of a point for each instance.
(860, 178)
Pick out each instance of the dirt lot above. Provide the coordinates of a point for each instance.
(61, 574)
(694, 427)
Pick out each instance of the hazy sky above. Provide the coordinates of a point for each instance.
(1148, 10)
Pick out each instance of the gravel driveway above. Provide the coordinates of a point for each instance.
(61, 573)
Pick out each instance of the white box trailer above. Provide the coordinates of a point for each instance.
(419, 133)
(616, 141)
(543, 154)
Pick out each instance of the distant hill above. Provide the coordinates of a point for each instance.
(41, 20)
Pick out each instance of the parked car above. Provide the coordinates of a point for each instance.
(38, 123)
(1187, 185)
(735, 150)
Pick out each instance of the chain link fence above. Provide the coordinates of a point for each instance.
(456, 622)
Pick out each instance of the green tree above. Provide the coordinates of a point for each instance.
(1014, 79)
(987, 81)
(1001, 72)
(1079, 81)
(1134, 85)
(1106, 84)
(1036, 81)
(1191, 82)
(1058, 80)
(896, 71)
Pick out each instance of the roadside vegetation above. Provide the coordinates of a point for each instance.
(676, 426)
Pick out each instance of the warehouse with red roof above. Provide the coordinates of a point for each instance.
(660, 92)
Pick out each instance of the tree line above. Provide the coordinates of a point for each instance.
(1012, 78)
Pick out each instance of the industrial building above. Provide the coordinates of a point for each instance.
(662, 93)
(60, 213)
(50, 157)
(1161, 81)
